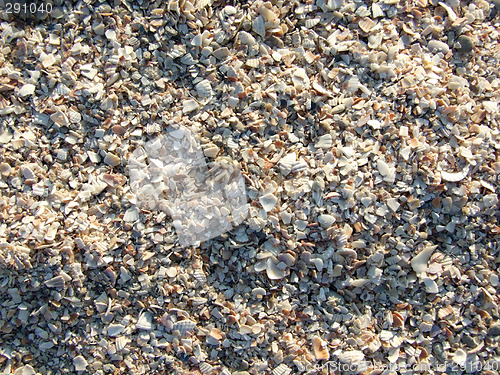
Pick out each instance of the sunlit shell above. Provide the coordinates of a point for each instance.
(272, 270)
(300, 79)
(311, 22)
(320, 349)
(204, 88)
(366, 24)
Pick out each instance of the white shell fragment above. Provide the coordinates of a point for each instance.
(145, 321)
(115, 329)
(80, 363)
(26, 90)
(268, 201)
(455, 177)
(184, 327)
(419, 262)
(204, 88)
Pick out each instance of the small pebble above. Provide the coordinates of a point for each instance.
(465, 44)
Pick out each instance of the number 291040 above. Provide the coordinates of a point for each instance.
(17, 8)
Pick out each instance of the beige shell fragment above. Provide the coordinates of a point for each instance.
(366, 24)
(320, 349)
(80, 363)
(300, 79)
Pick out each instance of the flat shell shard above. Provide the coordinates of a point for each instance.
(438, 46)
(112, 160)
(377, 10)
(268, 201)
(246, 38)
(259, 27)
(320, 349)
(88, 71)
(430, 286)
(383, 168)
(419, 262)
(204, 89)
(455, 177)
(80, 363)
(145, 322)
(115, 329)
(26, 90)
(273, 271)
(60, 118)
(189, 105)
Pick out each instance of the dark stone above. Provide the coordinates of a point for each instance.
(465, 43)
(494, 330)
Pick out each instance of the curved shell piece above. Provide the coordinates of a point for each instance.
(455, 177)
(273, 271)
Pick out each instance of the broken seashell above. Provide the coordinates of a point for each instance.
(320, 349)
(273, 271)
(455, 177)
(184, 327)
(145, 321)
(56, 282)
(268, 201)
(204, 89)
(419, 262)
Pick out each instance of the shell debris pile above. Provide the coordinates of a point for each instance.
(367, 134)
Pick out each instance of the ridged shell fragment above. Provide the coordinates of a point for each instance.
(282, 369)
(56, 282)
(145, 321)
(204, 89)
(184, 327)
(366, 24)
